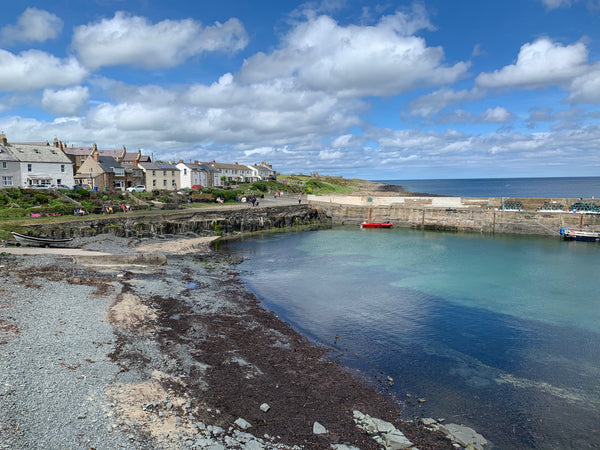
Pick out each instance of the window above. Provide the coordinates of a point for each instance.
(154, 173)
(164, 173)
(153, 183)
(185, 171)
(4, 164)
(29, 168)
(164, 183)
(7, 181)
(172, 173)
(62, 167)
(118, 171)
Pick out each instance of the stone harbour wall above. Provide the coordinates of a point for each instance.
(472, 219)
(213, 221)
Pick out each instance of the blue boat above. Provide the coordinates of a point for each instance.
(579, 235)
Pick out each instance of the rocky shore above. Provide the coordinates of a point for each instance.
(131, 352)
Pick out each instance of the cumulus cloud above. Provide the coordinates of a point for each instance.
(133, 40)
(539, 64)
(586, 88)
(34, 25)
(497, 115)
(384, 59)
(34, 69)
(66, 102)
(430, 104)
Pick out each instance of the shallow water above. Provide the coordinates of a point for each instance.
(500, 333)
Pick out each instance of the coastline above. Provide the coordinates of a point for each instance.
(167, 356)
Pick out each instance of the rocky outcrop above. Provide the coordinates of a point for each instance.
(214, 221)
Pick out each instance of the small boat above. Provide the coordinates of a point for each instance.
(369, 224)
(376, 225)
(579, 235)
(40, 241)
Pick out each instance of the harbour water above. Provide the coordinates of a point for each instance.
(500, 333)
(573, 187)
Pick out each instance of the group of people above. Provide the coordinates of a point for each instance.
(107, 209)
(79, 212)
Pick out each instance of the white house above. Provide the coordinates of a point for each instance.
(38, 164)
(196, 174)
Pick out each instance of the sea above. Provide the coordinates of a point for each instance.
(497, 332)
(564, 187)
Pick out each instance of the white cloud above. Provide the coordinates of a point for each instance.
(553, 4)
(586, 88)
(34, 69)
(384, 59)
(497, 115)
(34, 25)
(132, 40)
(539, 64)
(430, 104)
(66, 102)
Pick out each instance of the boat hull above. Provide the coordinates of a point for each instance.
(40, 241)
(580, 235)
(376, 225)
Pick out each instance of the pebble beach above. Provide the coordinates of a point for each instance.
(106, 352)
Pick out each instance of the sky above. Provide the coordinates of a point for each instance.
(360, 89)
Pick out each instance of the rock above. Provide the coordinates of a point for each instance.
(395, 440)
(463, 435)
(319, 429)
(242, 424)
(427, 421)
(264, 407)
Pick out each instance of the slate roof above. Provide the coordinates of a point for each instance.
(158, 166)
(38, 153)
(107, 163)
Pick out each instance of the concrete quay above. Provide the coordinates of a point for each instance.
(482, 215)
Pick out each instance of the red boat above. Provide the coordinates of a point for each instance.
(376, 225)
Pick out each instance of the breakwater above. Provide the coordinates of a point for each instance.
(210, 221)
(453, 214)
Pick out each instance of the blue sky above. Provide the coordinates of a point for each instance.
(390, 90)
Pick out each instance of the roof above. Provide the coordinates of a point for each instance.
(130, 157)
(200, 167)
(228, 166)
(5, 155)
(38, 153)
(157, 166)
(107, 163)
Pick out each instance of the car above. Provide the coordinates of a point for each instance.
(196, 186)
(82, 186)
(137, 188)
(60, 187)
(39, 186)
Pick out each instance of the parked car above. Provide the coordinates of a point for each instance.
(82, 186)
(137, 188)
(60, 187)
(39, 186)
(196, 186)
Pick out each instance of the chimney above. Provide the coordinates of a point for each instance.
(3, 139)
(196, 162)
(55, 142)
(180, 161)
(96, 154)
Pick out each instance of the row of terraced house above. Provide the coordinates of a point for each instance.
(36, 164)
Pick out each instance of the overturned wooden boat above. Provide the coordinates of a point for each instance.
(40, 241)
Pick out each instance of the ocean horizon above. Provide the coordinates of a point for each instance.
(533, 187)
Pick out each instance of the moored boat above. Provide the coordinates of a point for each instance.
(376, 225)
(40, 241)
(580, 235)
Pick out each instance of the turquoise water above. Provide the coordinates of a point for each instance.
(501, 333)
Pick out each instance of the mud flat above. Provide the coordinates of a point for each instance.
(177, 355)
